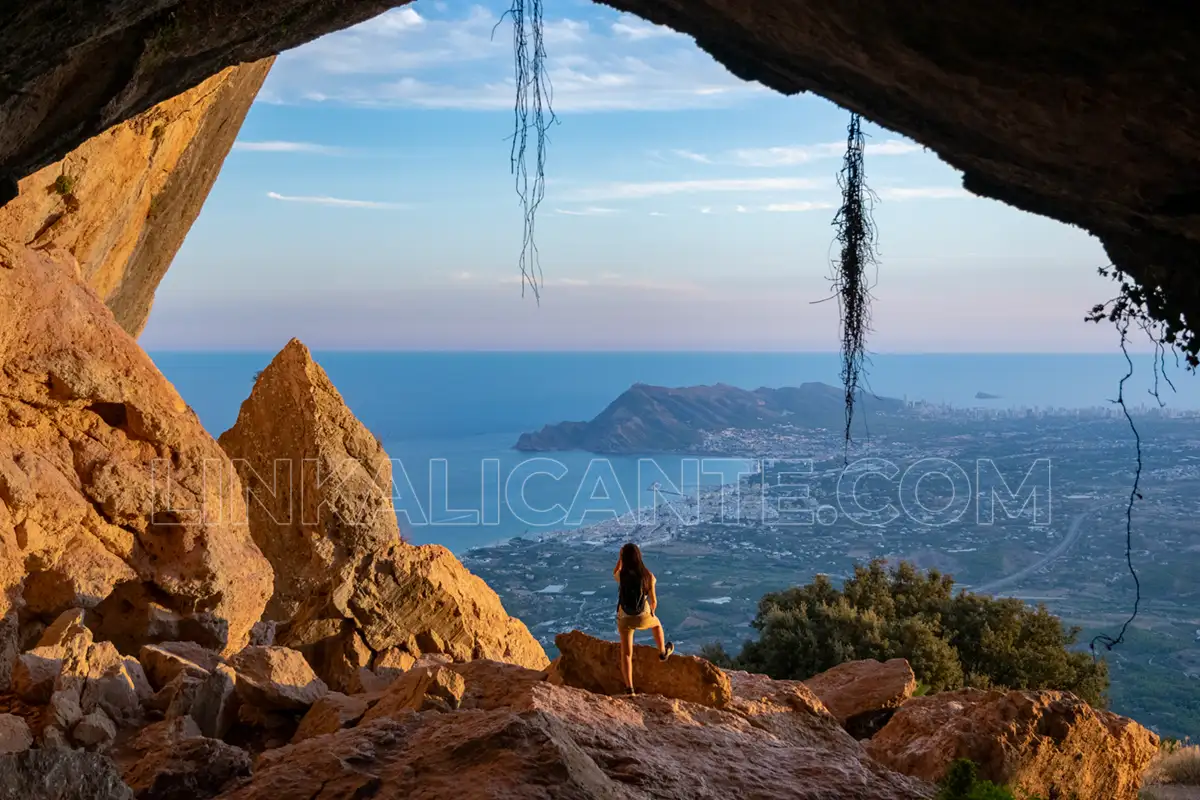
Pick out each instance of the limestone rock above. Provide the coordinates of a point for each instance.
(276, 678)
(109, 685)
(95, 731)
(424, 689)
(516, 735)
(586, 662)
(195, 768)
(141, 684)
(177, 697)
(1044, 743)
(15, 736)
(321, 511)
(263, 633)
(165, 660)
(857, 689)
(66, 705)
(216, 703)
(423, 599)
(34, 674)
(332, 504)
(61, 774)
(113, 498)
(10, 647)
(164, 734)
(135, 190)
(332, 647)
(330, 714)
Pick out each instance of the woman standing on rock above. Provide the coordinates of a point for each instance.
(637, 603)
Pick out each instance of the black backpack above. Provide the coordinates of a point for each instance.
(632, 597)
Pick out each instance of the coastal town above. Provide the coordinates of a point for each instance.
(1030, 506)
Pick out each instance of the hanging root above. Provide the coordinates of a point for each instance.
(856, 240)
(531, 112)
(1129, 308)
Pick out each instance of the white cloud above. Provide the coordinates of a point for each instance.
(592, 211)
(631, 27)
(287, 147)
(332, 201)
(657, 214)
(636, 191)
(793, 155)
(923, 193)
(404, 59)
(463, 276)
(801, 206)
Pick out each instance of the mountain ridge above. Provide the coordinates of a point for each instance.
(647, 418)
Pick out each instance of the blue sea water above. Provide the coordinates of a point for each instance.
(469, 408)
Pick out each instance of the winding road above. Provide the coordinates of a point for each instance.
(1073, 534)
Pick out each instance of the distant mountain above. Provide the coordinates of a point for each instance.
(658, 419)
(986, 396)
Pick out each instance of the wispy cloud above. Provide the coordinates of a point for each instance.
(631, 27)
(923, 193)
(288, 147)
(636, 191)
(333, 201)
(592, 211)
(445, 60)
(793, 155)
(792, 207)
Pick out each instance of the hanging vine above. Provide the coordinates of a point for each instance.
(856, 240)
(1130, 307)
(532, 116)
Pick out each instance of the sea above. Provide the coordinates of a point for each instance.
(449, 420)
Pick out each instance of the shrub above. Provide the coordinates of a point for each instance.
(64, 184)
(951, 640)
(1176, 764)
(962, 782)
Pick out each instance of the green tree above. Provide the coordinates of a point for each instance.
(951, 640)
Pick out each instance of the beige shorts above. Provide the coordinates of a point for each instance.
(640, 622)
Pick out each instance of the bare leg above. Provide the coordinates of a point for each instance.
(627, 658)
(660, 638)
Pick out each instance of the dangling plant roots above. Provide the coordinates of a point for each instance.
(856, 240)
(531, 112)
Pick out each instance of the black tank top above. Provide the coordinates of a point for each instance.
(632, 596)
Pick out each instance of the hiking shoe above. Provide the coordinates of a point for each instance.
(629, 692)
(666, 653)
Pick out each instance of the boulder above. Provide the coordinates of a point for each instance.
(276, 678)
(863, 694)
(135, 190)
(61, 774)
(330, 714)
(423, 600)
(165, 660)
(216, 703)
(1042, 743)
(62, 648)
(163, 734)
(109, 686)
(176, 698)
(332, 647)
(517, 735)
(347, 587)
(195, 768)
(15, 736)
(113, 498)
(95, 731)
(425, 689)
(10, 647)
(586, 662)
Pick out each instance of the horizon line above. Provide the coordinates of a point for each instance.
(598, 351)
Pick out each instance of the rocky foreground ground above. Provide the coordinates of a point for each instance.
(187, 618)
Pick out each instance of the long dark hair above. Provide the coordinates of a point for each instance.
(632, 564)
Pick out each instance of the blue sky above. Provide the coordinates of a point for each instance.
(368, 204)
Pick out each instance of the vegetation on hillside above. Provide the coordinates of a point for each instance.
(951, 640)
(962, 782)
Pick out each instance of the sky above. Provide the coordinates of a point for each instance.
(369, 203)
